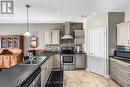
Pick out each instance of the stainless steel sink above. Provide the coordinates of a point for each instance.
(34, 61)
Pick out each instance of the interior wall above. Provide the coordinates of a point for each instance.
(35, 29)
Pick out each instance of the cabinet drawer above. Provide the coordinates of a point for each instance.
(123, 81)
(123, 73)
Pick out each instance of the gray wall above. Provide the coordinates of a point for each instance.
(35, 29)
(108, 20)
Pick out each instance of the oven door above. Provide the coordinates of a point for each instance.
(67, 59)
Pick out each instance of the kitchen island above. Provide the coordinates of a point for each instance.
(50, 66)
(17, 75)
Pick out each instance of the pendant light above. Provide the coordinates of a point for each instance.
(27, 33)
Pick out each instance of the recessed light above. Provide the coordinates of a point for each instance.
(58, 13)
(94, 13)
(83, 16)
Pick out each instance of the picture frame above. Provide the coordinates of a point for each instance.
(34, 42)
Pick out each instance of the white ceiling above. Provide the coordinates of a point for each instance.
(69, 10)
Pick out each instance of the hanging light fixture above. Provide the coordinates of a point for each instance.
(27, 33)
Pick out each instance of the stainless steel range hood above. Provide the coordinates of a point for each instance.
(67, 31)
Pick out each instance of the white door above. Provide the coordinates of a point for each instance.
(97, 50)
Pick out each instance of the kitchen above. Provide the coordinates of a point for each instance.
(39, 49)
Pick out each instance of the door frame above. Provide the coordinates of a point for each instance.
(106, 49)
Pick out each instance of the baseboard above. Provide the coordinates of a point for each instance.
(56, 69)
(107, 76)
(87, 69)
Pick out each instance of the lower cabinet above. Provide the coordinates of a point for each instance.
(56, 64)
(120, 72)
(46, 70)
(1, 61)
(80, 61)
(7, 61)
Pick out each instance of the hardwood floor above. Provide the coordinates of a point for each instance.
(86, 79)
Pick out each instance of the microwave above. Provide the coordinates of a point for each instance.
(122, 54)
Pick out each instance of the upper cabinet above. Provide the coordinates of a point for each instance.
(51, 37)
(47, 37)
(11, 42)
(18, 42)
(123, 34)
(79, 37)
(3, 42)
(55, 37)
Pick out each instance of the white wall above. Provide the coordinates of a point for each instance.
(94, 22)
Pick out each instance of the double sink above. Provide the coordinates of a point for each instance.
(34, 61)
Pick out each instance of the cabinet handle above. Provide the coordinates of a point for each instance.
(128, 42)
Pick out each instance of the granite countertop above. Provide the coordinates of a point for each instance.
(81, 52)
(16, 75)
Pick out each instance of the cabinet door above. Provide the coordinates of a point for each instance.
(6, 62)
(14, 60)
(55, 37)
(16, 42)
(9, 42)
(123, 34)
(57, 61)
(3, 41)
(43, 76)
(1, 61)
(47, 37)
(80, 61)
(79, 37)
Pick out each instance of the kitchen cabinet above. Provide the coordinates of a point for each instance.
(18, 42)
(80, 61)
(3, 42)
(123, 34)
(120, 71)
(14, 60)
(57, 62)
(51, 37)
(55, 37)
(47, 37)
(7, 61)
(79, 37)
(11, 42)
(1, 61)
(46, 70)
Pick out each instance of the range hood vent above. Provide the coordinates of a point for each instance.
(67, 31)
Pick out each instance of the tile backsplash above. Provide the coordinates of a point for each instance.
(58, 47)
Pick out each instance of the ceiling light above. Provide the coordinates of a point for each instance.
(58, 13)
(27, 33)
(94, 13)
(84, 16)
